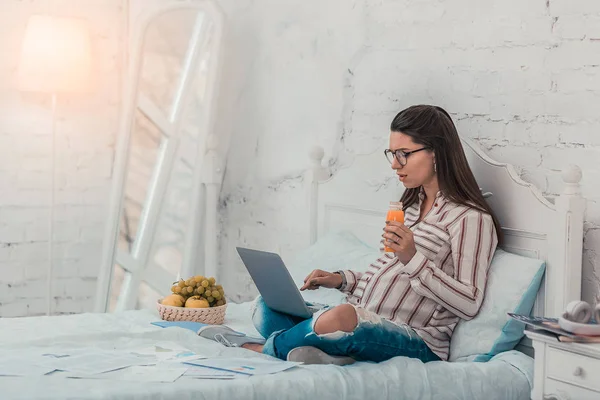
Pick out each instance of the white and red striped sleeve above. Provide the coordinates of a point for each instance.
(352, 278)
(473, 241)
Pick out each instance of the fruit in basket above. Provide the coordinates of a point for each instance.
(202, 291)
(174, 300)
(196, 302)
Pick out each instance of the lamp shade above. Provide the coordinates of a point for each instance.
(56, 56)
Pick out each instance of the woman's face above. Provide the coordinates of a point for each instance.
(418, 170)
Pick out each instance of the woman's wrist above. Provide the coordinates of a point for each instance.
(406, 258)
(342, 279)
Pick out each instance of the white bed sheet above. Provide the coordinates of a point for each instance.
(507, 376)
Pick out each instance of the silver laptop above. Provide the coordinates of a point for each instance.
(275, 283)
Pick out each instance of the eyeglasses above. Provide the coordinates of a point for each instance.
(400, 155)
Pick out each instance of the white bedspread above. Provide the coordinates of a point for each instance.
(507, 376)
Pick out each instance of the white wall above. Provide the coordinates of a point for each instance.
(86, 132)
(520, 77)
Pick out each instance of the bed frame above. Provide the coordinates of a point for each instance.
(356, 199)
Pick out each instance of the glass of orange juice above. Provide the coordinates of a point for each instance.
(395, 213)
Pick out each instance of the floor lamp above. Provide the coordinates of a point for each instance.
(56, 58)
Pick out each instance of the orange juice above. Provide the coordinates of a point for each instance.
(395, 213)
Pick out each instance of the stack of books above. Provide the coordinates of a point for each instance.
(552, 326)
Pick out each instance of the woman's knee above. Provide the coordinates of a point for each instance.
(258, 304)
(341, 318)
(259, 311)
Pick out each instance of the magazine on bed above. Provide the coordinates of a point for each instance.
(551, 325)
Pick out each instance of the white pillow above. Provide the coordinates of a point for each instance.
(513, 283)
(334, 251)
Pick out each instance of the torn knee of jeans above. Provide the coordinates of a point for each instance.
(364, 316)
(331, 335)
(334, 335)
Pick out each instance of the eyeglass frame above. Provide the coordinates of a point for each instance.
(404, 153)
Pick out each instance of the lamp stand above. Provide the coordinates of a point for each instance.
(51, 218)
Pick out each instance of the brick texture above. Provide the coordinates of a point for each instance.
(85, 137)
(519, 77)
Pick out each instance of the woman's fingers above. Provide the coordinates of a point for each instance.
(387, 237)
(393, 236)
(306, 285)
(390, 240)
(400, 230)
(315, 283)
(312, 284)
(403, 228)
(307, 277)
(393, 245)
(309, 281)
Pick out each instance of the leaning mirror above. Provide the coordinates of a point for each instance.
(157, 208)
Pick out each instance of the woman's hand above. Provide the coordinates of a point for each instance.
(319, 278)
(400, 239)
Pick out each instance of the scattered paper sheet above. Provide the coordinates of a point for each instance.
(247, 366)
(138, 373)
(96, 363)
(166, 352)
(8, 368)
(24, 363)
(153, 373)
(211, 373)
(87, 361)
(164, 362)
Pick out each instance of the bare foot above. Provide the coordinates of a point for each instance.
(254, 347)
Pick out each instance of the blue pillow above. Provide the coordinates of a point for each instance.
(512, 286)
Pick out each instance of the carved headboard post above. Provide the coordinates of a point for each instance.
(565, 278)
(212, 180)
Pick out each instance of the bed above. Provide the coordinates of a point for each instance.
(506, 377)
(550, 231)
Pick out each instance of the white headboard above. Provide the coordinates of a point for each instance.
(356, 198)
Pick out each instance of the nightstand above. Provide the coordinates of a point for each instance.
(564, 371)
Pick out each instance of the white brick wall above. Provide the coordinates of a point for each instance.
(86, 131)
(520, 77)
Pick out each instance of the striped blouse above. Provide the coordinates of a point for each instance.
(445, 280)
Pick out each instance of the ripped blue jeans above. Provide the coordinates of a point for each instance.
(374, 338)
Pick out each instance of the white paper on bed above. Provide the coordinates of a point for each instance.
(138, 373)
(29, 362)
(211, 373)
(245, 366)
(88, 361)
(165, 352)
(11, 364)
(96, 362)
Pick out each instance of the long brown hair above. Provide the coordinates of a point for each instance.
(432, 126)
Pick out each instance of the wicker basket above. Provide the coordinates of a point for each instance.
(212, 315)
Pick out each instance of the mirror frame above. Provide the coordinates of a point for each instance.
(207, 176)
